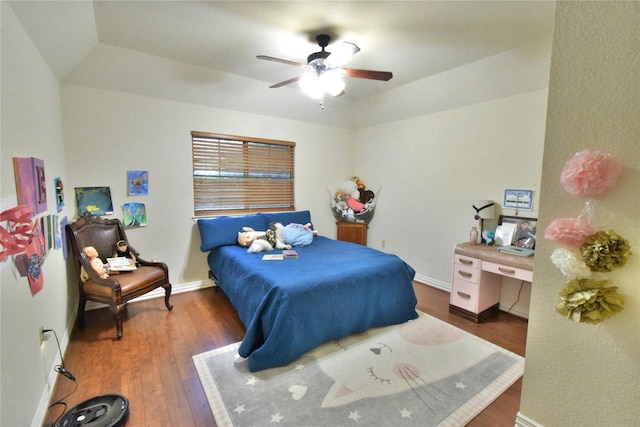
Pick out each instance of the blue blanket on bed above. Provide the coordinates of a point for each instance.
(332, 290)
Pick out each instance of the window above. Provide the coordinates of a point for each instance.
(241, 175)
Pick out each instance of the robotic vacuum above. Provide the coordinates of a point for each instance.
(109, 410)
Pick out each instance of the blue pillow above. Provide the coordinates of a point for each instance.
(286, 218)
(223, 230)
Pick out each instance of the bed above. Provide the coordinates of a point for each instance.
(333, 289)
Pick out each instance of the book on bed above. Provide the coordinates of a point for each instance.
(290, 253)
(272, 257)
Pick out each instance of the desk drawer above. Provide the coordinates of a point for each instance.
(465, 295)
(466, 273)
(466, 261)
(508, 271)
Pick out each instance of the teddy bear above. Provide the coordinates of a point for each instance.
(366, 196)
(258, 241)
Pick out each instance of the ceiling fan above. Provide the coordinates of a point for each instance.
(323, 70)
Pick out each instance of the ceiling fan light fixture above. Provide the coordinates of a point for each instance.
(332, 83)
(341, 54)
(311, 85)
(323, 73)
(317, 85)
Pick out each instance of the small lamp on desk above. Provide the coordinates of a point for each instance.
(485, 209)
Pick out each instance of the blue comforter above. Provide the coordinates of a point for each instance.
(332, 290)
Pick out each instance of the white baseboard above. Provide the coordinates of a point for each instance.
(522, 421)
(434, 283)
(43, 403)
(159, 292)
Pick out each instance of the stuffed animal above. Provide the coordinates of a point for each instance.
(355, 204)
(263, 241)
(366, 196)
(298, 234)
(348, 188)
(248, 235)
(360, 185)
(122, 249)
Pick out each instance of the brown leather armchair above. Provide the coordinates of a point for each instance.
(117, 289)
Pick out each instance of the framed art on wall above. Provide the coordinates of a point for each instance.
(138, 183)
(31, 187)
(524, 235)
(96, 200)
(518, 199)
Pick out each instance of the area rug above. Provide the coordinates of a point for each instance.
(424, 372)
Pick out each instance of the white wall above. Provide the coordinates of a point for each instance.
(575, 373)
(31, 127)
(431, 169)
(108, 133)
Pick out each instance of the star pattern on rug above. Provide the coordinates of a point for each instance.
(421, 397)
(276, 418)
(353, 415)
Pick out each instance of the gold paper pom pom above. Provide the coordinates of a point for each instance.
(589, 301)
(605, 251)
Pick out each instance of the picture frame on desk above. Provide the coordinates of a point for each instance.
(525, 232)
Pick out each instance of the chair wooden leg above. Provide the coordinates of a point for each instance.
(117, 316)
(167, 295)
(80, 317)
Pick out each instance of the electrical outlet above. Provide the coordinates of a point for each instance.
(383, 243)
(44, 336)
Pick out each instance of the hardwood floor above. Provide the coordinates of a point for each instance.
(152, 366)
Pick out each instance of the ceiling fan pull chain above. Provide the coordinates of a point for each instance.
(321, 102)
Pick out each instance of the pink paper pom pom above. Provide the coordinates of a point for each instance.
(569, 231)
(590, 173)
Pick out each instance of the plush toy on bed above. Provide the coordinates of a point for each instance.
(298, 234)
(258, 241)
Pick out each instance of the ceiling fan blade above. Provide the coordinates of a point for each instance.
(367, 74)
(341, 53)
(284, 61)
(284, 83)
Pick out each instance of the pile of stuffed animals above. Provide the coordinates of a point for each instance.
(353, 202)
(276, 237)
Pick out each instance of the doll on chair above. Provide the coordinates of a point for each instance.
(122, 249)
(95, 262)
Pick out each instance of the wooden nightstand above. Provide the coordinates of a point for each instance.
(354, 232)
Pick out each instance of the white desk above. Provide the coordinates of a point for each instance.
(477, 278)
